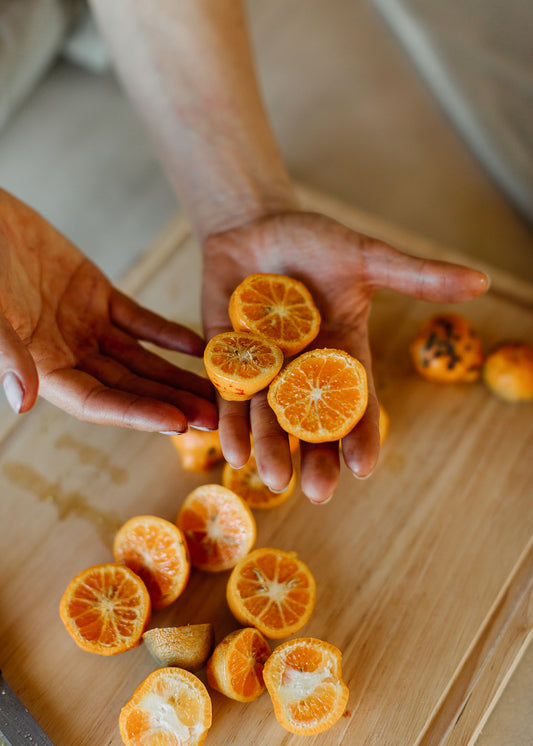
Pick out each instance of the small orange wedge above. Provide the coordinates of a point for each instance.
(273, 591)
(240, 364)
(320, 396)
(277, 307)
(247, 483)
(304, 680)
(219, 527)
(171, 707)
(105, 609)
(236, 666)
(154, 549)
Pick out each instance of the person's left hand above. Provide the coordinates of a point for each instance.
(343, 270)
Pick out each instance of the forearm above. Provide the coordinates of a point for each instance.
(188, 69)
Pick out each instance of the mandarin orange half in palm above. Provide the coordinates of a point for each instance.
(277, 307)
(320, 396)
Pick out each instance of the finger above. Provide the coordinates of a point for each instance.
(87, 399)
(113, 374)
(360, 448)
(320, 470)
(146, 364)
(18, 373)
(234, 431)
(271, 445)
(425, 279)
(149, 326)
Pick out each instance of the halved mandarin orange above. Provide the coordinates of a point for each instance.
(273, 591)
(247, 483)
(236, 666)
(105, 609)
(219, 527)
(240, 364)
(304, 680)
(186, 647)
(156, 550)
(200, 450)
(277, 307)
(320, 396)
(171, 707)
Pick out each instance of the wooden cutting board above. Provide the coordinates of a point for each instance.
(424, 571)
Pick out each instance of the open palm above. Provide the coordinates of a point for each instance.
(343, 270)
(68, 334)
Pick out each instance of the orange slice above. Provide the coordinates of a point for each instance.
(171, 707)
(273, 591)
(277, 307)
(219, 527)
(105, 609)
(185, 647)
(247, 483)
(320, 396)
(154, 549)
(200, 450)
(240, 364)
(447, 349)
(236, 666)
(304, 680)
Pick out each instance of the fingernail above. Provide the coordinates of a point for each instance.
(277, 492)
(363, 476)
(172, 432)
(321, 502)
(13, 391)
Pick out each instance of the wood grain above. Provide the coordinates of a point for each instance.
(423, 571)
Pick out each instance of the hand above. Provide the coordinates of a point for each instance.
(68, 334)
(342, 269)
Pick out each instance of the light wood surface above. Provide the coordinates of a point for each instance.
(423, 571)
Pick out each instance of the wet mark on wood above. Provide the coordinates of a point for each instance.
(105, 522)
(93, 457)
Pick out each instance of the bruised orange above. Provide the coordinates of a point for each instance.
(154, 549)
(105, 609)
(320, 396)
(171, 707)
(219, 527)
(186, 647)
(304, 680)
(200, 450)
(236, 666)
(272, 590)
(447, 349)
(240, 364)
(278, 307)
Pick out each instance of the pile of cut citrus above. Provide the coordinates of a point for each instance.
(320, 395)
(270, 592)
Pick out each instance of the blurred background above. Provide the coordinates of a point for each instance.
(418, 113)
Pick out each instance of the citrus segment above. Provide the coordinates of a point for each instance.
(320, 396)
(236, 666)
(185, 647)
(271, 590)
(171, 707)
(447, 349)
(218, 525)
(239, 364)
(247, 483)
(105, 609)
(277, 307)
(304, 680)
(200, 450)
(154, 549)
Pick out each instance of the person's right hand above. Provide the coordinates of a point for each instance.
(69, 335)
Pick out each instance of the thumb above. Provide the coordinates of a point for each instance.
(18, 373)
